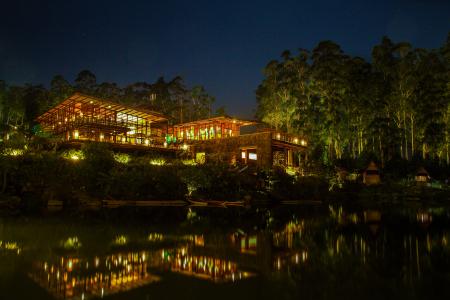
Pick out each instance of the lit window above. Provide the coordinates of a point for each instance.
(252, 156)
(75, 134)
(243, 154)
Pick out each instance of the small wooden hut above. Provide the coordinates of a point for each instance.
(371, 175)
(422, 176)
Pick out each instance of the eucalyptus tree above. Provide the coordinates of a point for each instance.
(267, 95)
(201, 103)
(328, 74)
(137, 93)
(60, 89)
(109, 90)
(86, 82)
(284, 95)
(445, 54)
(180, 98)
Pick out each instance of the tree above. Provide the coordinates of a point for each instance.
(60, 89)
(86, 82)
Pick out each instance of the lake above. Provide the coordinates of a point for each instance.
(281, 252)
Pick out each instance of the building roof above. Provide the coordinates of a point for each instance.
(422, 172)
(219, 119)
(106, 104)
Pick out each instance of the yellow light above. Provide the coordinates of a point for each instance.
(76, 134)
(165, 144)
(243, 154)
(185, 147)
(75, 157)
(278, 136)
(102, 136)
(303, 142)
(296, 141)
(158, 162)
(147, 142)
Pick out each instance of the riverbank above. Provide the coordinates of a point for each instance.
(95, 178)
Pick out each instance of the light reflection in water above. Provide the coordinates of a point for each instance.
(71, 276)
(358, 240)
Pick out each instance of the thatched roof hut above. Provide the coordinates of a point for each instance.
(371, 175)
(422, 175)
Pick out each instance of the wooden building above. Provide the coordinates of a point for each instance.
(371, 175)
(86, 118)
(422, 177)
(207, 129)
(223, 139)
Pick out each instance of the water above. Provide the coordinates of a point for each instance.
(290, 252)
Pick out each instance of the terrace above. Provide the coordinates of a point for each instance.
(86, 118)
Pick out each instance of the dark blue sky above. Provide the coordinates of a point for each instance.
(222, 45)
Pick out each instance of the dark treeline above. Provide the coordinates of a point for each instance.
(20, 105)
(396, 105)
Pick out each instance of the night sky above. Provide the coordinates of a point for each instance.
(223, 45)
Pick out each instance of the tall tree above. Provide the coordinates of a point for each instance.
(86, 82)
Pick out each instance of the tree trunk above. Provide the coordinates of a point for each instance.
(412, 136)
(406, 135)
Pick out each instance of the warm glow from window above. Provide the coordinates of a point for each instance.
(243, 154)
(252, 156)
(75, 134)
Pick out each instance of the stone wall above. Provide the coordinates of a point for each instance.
(228, 149)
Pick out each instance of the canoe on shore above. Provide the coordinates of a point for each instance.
(301, 202)
(215, 203)
(142, 203)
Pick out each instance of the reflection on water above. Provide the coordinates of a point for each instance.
(203, 267)
(76, 277)
(408, 247)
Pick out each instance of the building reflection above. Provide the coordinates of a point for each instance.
(201, 266)
(76, 277)
(365, 240)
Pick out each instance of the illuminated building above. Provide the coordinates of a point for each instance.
(82, 118)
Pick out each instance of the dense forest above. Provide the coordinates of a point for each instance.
(20, 105)
(395, 105)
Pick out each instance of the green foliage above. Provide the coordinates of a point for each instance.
(21, 105)
(72, 243)
(398, 104)
(73, 154)
(120, 240)
(122, 158)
